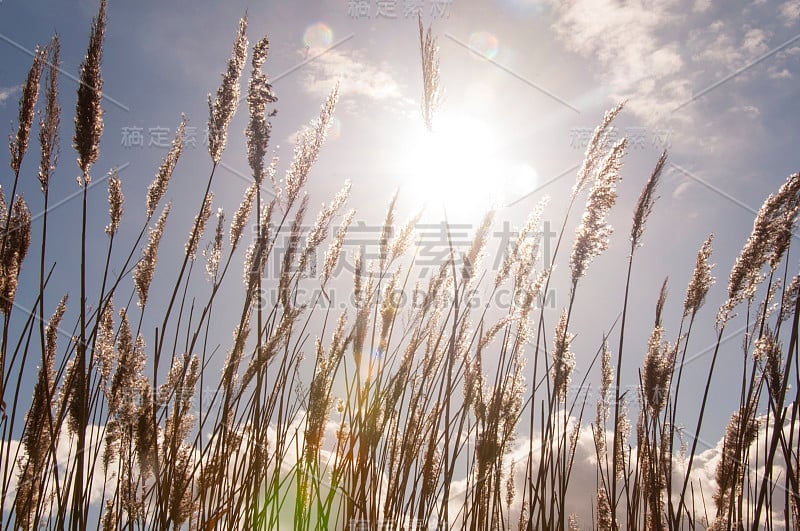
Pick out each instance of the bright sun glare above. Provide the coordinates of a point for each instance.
(457, 167)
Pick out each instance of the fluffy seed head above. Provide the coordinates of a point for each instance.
(199, 227)
(646, 201)
(222, 109)
(30, 93)
(242, 214)
(767, 243)
(593, 232)
(701, 279)
(307, 148)
(259, 95)
(88, 112)
(431, 91)
(158, 187)
(563, 359)
(115, 202)
(214, 252)
(595, 150)
(49, 124)
(144, 270)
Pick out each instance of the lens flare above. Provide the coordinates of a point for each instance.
(484, 44)
(318, 35)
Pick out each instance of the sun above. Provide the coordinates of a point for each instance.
(456, 166)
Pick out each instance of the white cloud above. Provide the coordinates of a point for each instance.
(623, 37)
(783, 73)
(582, 489)
(657, 55)
(360, 80)
(790, 11)
(6, 93)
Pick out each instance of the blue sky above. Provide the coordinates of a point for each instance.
(714, 82)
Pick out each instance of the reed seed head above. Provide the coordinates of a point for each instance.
(30, 93)
(157, 189)
(115, 202)
(593, 232)
(49, 124)
(88, 111)
(145, 269)
(199, 227)
(222, 109)
(701, 279)
(259, 95)
(563, 359)
(644, 207)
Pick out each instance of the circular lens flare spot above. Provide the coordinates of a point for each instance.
(317, 36)
(483, 44)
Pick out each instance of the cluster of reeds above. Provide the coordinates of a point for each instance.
(385, 416)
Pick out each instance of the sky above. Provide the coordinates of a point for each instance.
(525, 83)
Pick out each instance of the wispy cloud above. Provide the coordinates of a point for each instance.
(6, 93)
(360, 79)
(658, 58)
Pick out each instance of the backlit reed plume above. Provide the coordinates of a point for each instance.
(104, 347)
(431, 91)
(242, 214)
(17, 230)
(319, 399)
(213, 253)
(402, 241)
(18, 144)
(767, 243)
(255, 260)
(523, 253)
(701, 279)
(604, 520)
(594, 232)
(88, 112)
(563, 359)
(307, 147)
(335, 248)
(145, 268)
(768, 351)
(123, 393)
(387, 230)
(790, 298)
(39, 430)
(115, 202)
(199, 227)
(234, 358)
(259, 95)
(158, 187)
(644, 207)
(289, 264)
(473, 255)
(280, 336)
(222, 109)
(740, 433)
(621, 434)
(50, 122)
(657, 370)
(606, 379)
(596, 151)
(319, 231)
